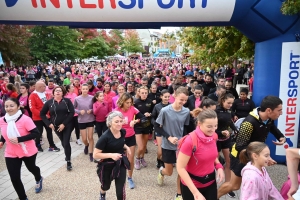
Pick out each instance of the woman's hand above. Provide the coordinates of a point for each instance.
(154, 101)
(198, 196)
(89, 111)
(271, 162)
(220, 175)
(291, 192)
(51, 126)
(147, 114)
(235, 118)
(14, 140)
(61, 128)
(132, 123)
(116, 156)
(82, 112)
(226, 133)
(1, 145)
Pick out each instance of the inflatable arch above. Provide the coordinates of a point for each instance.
(277, 51)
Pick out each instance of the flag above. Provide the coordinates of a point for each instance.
(1, 60)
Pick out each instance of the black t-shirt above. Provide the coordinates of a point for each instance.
(109, 144)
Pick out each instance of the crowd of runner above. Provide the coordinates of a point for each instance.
(197, 119)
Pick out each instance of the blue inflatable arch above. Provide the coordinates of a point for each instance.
(277, 53)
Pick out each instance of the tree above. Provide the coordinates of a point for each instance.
(95, 47)
(290, 7)
(219, 45)
(14, 43)
(170, 40)
(54, 43)
(114, 40)
(132, 42)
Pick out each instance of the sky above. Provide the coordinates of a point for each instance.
(165, 29)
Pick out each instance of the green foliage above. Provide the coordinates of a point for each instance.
(14, 44)
(132, 42)
(290, 7)
(219, 45)
(94, 47)
(54, 43)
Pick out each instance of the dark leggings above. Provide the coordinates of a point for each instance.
(14, 169)
(76, 127)
(209, 192)
(39, 125)
(100, 128)
(119, 182)
(64, 137)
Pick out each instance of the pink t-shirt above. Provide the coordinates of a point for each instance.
(172, 99)
(206, 155)
(24, 125)
(197, 103)
(72, 97)
(23, 102)
(128, 117)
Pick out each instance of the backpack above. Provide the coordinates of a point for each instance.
(194, 141)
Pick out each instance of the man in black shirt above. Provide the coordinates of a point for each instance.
(163, 85)
(219, 91)
(209, 84)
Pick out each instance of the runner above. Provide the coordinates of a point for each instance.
(61, 112)
(255, 127)
(110, 149)
(165, 96)
(125, 106)
(20, 146)
(144, 128)
(100, 109)
(83, 105)
(197, 168)
(172, 120)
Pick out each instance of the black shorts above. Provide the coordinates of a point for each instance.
(226, 144)
(144, 131)
(157, 134)
(85, 125)
(235, 166)
(168, 156)
(130, 141)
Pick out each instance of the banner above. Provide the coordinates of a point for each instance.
(289, 93)
(117, 10)
(1, 60)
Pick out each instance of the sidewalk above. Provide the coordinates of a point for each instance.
(82, 182)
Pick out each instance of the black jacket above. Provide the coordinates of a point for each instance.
(224, 121)
(213, 96)
(207, 88)
(233, 92)
(242, 108)
(60, 113)
(253, 129)
(154, 96)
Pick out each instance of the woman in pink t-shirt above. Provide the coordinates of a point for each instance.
(23, 99)
(108, 94)
(197, 168)
(125, 106)
(19, 132)
(121, 90)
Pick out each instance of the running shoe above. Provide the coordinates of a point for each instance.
(102, 196)
(178, 197)
(86, 150)
(231, 194)
(155, 142)
(137, 164)
(40, 148)
(160, 177)
(69, 166)
(54, 148)
(143, 162)
(131, 183)
(78, 142)
(39, 186)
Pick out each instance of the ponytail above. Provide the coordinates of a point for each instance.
(244, 158)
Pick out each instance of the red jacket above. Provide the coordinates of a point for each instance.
(36, 105)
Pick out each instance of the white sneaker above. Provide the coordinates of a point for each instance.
(79, 142)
